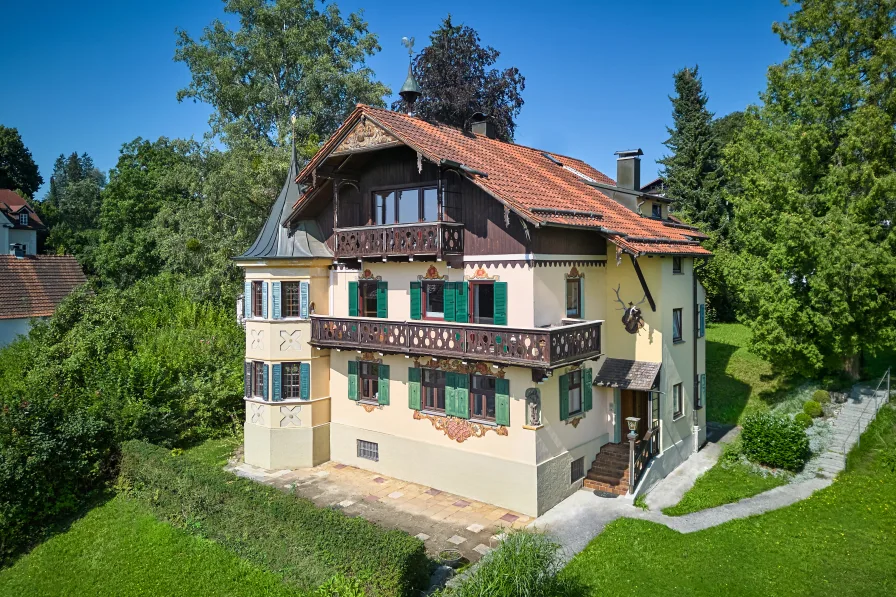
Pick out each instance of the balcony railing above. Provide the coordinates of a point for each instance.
(401, 240)
(531, 347)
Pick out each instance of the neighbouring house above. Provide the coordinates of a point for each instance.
(476, 316)
(19, 224)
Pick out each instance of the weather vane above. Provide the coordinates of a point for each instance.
(408, 42)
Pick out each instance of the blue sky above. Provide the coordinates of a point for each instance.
(92, 76)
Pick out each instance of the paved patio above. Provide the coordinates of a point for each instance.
(440, 519)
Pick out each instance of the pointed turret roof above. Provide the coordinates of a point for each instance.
(302, 239)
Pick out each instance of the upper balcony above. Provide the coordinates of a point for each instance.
(436, 239)
(545, 348)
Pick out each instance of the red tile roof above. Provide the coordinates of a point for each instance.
(33, 286)
(537, 188)
(11, 204)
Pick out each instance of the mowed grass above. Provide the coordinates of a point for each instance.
(723, 484)
(840, 542)
(119, 549)
(738, 382)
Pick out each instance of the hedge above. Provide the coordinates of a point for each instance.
(776, 441)
(289, 535)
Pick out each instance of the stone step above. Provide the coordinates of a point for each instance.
(593, 485)
(607, 479)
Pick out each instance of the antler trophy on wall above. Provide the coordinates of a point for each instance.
(631, 313)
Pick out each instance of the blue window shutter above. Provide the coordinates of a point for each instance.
(277, 394)
(247, 379)
(275, 291)
(461, 313)
(264, 299)
(353, 380)
(702, 390)
(500, 303)
(416, 307)
(582, 298)
(414, 401)
(264, 380)
(587, 399)
(303, 299)
(247, 300)
(449, 293)
(702, 321)
(305, 381)
(462, 395)
(564, 397)
(383, 385)
(502, 402)
(352, 299)
(382, 299)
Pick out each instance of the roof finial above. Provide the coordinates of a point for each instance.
(410, 91)
(292, 119)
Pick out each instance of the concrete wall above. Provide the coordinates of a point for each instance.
(10, 329)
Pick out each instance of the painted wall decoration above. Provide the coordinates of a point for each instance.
(290, 416)
(459, 430)
(480, 273)
(533, 407)
(365, 135)
(290, 340)
(458, 366)
(632, 317)
(257, 413)
(257, 339)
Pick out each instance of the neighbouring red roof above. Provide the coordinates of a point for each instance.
(11, 205)
(33, 286)
(527, 182)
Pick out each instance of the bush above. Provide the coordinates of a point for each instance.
(525, 564)
(289, 535)
(803, 419)
(776, 441)
(812, 408)
(822, 397)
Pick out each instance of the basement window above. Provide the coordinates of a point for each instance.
(368, 450)
(577, 470)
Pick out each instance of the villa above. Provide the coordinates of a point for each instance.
(485, 318)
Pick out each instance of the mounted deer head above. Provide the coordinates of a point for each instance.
(631, 313)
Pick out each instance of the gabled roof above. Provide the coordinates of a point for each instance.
(33, 286)
(546, 189)
(11, 205)
(302, 239)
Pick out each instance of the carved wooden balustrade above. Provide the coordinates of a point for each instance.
(533, 347)
(401, 240)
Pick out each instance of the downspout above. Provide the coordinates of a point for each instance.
(696, 332)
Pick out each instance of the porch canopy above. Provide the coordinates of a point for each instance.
(627, 375)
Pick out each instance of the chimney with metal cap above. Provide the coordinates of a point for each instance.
(628, 169)
(481, 125)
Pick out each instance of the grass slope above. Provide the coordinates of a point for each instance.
(841, 541)
(121, 550)
(723, 484)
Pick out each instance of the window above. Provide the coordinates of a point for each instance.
(257, 300)
(577, 469)
(677, 401)
(676, 265)
(657, 210)
(23, 219)
(291, 386)
(369, 375)
(482, 397)
(367, 298)
(258, 379)
(368, 450)
(406, 206)
(483, 295)
(676, 325)
(574, 297)
(289, 291)
(434, 389)
(574, 395)
(433, 300)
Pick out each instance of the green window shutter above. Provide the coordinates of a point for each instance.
(414, 400)
(264, 380)
(352, 299)
(275, 297)
(701, 317)
(449, 293)
(587, 402)
(353, 380)
(450, 408)
(500, 303)
(247, 301)
(462, 395)
(702, 390)
(564, 397)
(382, 299)
(461, 307)
(383, 385)
(277, 394)
(502, 402)
(305, 381)
(264, 300)
(303, 299)
(416, 308)
(247, 379)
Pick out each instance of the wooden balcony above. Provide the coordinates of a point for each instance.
(401, 240)
(528, 347)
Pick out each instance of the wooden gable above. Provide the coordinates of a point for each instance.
(365, 136)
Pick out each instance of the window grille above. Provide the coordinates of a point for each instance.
(577, 470)
(368, 450)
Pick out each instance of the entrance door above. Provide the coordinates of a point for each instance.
(634, 404)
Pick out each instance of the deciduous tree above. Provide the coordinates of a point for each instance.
(17, 168)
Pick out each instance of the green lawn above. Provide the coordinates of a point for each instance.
(723, 484)
(839, 542)
(119, 549)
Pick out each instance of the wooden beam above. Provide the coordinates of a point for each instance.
(643, 283)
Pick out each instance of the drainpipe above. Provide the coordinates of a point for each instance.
(696, 331)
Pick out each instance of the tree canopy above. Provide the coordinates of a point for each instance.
(18, 171)
(456, 79)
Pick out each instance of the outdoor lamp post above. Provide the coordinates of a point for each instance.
(632, 427)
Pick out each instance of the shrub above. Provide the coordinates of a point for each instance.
(803, 419)
(776, 441)
(525, 564)
(812, 408)
(305, 544)
(822, 397)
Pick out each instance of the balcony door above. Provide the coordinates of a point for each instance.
(482, 302)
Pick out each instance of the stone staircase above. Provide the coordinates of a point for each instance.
(610, 470)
